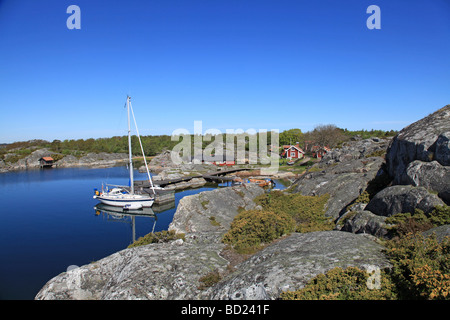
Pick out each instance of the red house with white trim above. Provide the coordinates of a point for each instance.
(292, 152)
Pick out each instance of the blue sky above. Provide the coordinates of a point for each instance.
(260, 64)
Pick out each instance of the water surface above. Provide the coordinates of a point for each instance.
(48, 222)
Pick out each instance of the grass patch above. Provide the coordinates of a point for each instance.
(209, 280)
(377, 153)
(204, 204)
(157, 237)
(306, 211)
(213, 221)
(281, 214)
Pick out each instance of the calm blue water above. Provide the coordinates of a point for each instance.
(48, 222)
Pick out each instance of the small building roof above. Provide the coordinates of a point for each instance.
(286, 148)
(46, 158)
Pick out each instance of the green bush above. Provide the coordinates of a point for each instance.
(209, 280)
(420, 270)
(307, 211)
(157, 237)
(421, 266)
(340, 284)
(405, 223)
(281, 214)
(252, 228)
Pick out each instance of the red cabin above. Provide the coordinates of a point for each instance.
(292, 152)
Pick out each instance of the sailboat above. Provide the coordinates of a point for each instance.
(125, 196)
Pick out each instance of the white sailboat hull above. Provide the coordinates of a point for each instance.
(126, 201)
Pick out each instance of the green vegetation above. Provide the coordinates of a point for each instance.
(366, 134)
(251, 228)
(204, 204)
(406, 223)
(281, 214)
(213, 221)
(152, 145)
(421, 270)
(157, 237)
(291, 136)
(378, 153)
(340, 284)
(306, 211)
(328, 135)
(297, 168)
(421, 266)
(209, 280)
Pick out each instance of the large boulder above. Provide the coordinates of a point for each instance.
(343, 181)
(157, 271)
(213, 210)
(425, 140)
(99, 160)
(402, 199)
(431, 175)
(102, 159)
(363, 221)
(290, 263)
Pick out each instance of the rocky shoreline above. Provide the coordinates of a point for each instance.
(364, 186)
(93, 160)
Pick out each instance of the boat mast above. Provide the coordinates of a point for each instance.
(142, 150)
(130, 166)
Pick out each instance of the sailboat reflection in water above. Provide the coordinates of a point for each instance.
(125, 196)
(114, 213)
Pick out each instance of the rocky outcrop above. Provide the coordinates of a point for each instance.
(99, 160)
(430, 175)
(193, 183)
(344, 182)
(213, 210)
(152, 272)
(175, 270)
(356, 149)
(425, 140)
(417, 160)
(402, 199)
(363, 221)
(290, 263)
(31, 161)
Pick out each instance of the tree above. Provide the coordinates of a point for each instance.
(327, 135)
(291, 136)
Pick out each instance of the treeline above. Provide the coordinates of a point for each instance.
(152, 145)
(325, 135)
(329, 135)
